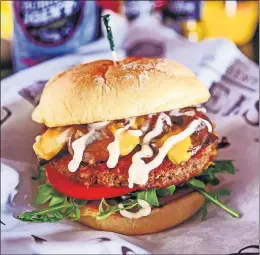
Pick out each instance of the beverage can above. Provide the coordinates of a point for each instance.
(45, 29)
(134, 9)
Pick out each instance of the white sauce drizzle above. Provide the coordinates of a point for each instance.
(151, 115)
(98, 125)
(146, 151)
(144, 211)
(194, 150)
(139, 170)
(135, 132)
(177, 113)
(209, 126)
(113, 147)
(146, 126)
(201, 109)
(135, 176)
(158, 127)
(79, 146)
(64, 136)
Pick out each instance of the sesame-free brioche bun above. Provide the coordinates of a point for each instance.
(167, 216)
(100, 91)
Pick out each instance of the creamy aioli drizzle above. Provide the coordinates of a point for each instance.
(113, 147)
(177, 113)
(194, 150)
(146, 151)
(146, 126)
(151, 115)
(135, 132)
(79, 146)
(98, 125)
(209, 126)
(64, 136)
(201, 109)
(139, 170)
(144, 211)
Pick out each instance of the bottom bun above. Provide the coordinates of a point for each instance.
(165, 217)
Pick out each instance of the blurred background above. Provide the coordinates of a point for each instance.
(35, 31)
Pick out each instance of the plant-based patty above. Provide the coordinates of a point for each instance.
(163, 176)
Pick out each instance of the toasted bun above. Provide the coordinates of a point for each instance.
(100, 91)
(160, 219)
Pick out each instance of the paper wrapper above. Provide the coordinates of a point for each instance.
(233, 81)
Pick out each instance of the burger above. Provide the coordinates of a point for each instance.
(125, 147)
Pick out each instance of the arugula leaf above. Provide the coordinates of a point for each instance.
(55, 200)
(149, 196)
(45, 193)
(209, 176)
(216, 195)
(167, 191)
(111, 209)
(197, 183)
(223, 166)
(51, 214)
(100, 207)
(222, 192)
(204, 211)
(104, 213)
(41, 173)
(59, 207)
(76, 213)
(214, 198)
(80, 201)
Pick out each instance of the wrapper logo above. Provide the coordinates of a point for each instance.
(126, 251)
(251, 116)
(5, 114)
(248, 250)
(38, 239)
(219, 103)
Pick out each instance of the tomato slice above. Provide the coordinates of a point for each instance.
(80, 191)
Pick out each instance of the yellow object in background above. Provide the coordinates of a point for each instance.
(6, 31)
(233, 20)
(6, 20)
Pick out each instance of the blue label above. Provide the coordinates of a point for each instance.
(185, 10)
(48, 22)
(46, 29)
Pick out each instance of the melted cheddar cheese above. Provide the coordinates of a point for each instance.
(51, 142)
(139, 122)
(179, 152)
(127, 142)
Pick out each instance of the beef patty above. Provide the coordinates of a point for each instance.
(163, 176)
